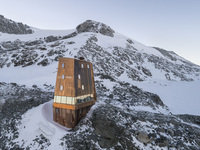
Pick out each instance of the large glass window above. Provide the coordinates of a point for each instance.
(63, 76)
(79, 76)
(69, 100)
(61, 87)
(88, 66)
(82, 66)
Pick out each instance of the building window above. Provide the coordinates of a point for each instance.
(82, 87)
(61, 87)
(88, 66)
(63, 65)
(63, 76)
(82, 66)
(57, 111)
(79, 76)
(72, 118)
(80, 111)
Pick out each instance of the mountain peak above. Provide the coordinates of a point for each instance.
(96, 27)
(12, 27)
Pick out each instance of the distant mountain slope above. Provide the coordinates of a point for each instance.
(111, 53)
(12, 27)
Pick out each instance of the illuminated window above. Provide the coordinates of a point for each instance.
(61, 87)
(63, 76)
(88, 66)
(63, 65)
(82, 66)
(82, 87)
(79, 76)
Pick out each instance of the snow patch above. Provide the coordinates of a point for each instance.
(37, 121)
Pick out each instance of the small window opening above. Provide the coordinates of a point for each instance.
(57, 111)
(79, 76)
(80, 111)
(72, 118)
(63, 76)
(82, 66)
(61, 87)
(88, 66)
(82, 87)
(63, 65)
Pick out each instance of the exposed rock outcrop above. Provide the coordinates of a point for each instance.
(96, 27)
(12, 27)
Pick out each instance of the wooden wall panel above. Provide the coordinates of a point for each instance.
(86, 78)
(68, 81)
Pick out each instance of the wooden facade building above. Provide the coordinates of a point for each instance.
(74, 91)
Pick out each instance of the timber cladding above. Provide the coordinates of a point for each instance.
(65, 78)
(74, 90)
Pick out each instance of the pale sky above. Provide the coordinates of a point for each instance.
(169, 24)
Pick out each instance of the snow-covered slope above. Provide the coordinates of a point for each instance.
(34, 58)
(116, 56)
(121, 67)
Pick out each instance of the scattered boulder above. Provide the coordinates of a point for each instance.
(143, 137)
(69, 35)
(146, 71)
(106, 130)
(72, 42)
(51, 39)
(170, 132)
(161, 130)
(51, 53)
(44, 62)
(43, 48)
(198, 141)
(32, 43)
(130, 41)
(57, 43)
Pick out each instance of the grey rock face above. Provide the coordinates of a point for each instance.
(96, 27)
(166, 53)
(11, 27)
(162, 141)
(106, 130)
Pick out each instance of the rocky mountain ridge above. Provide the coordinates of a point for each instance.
(12, 27)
